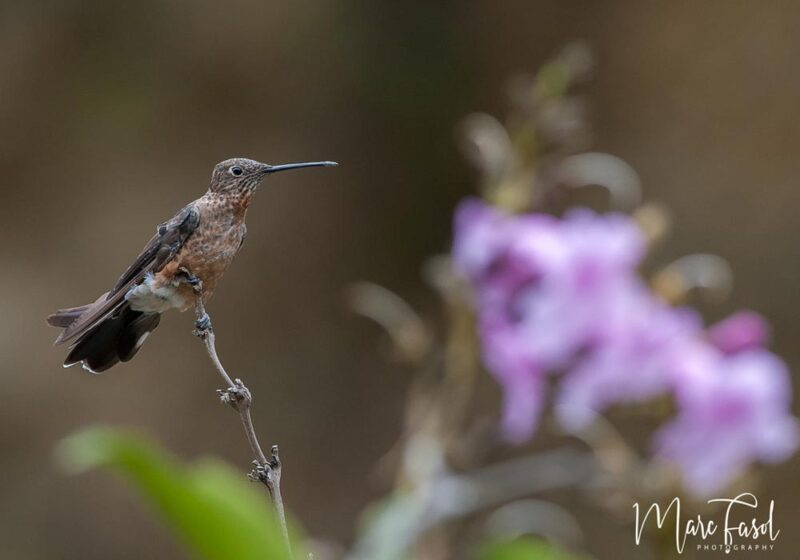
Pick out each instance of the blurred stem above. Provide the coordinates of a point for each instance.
(265, 470)
(461, 360)
(461, 365)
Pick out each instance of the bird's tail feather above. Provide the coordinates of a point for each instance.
(115, 339)
(65, 317)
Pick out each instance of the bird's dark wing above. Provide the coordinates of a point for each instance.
(161, 248)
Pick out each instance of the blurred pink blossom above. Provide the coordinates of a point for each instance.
(741, 331)
(562, 296)
(738, 411)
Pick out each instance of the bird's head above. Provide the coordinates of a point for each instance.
(242, 175)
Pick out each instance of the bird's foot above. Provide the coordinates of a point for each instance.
(191, 279)
(238, 396)
(203, 324)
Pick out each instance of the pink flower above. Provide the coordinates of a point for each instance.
(562, 297)
(637, 357)
(743, 330)
(543, 286)
(733, 414)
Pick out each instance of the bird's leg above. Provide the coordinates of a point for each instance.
(186, 276)
(203, 322)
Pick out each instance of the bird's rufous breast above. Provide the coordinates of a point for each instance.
(209, 251)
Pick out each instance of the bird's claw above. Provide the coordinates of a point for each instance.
(189, 278)
(203, 324)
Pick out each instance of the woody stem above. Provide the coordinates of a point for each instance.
(266, 470)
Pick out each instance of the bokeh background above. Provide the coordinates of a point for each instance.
(113, 113)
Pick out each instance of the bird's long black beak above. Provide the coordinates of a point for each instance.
(287, 166)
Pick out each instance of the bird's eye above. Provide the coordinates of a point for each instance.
(236, 170)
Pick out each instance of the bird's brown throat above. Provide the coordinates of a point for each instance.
(236, 202)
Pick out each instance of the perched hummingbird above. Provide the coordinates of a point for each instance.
(191, 250)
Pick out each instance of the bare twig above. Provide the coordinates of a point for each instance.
(238, 396)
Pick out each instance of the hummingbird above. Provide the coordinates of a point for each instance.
(182, 262)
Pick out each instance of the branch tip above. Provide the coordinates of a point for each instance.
(238, 396)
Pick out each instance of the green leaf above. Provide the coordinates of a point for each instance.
(211, 507)
(524, 549)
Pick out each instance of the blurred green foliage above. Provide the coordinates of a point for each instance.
(212, 508)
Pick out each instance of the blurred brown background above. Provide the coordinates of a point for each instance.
(113, 113)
